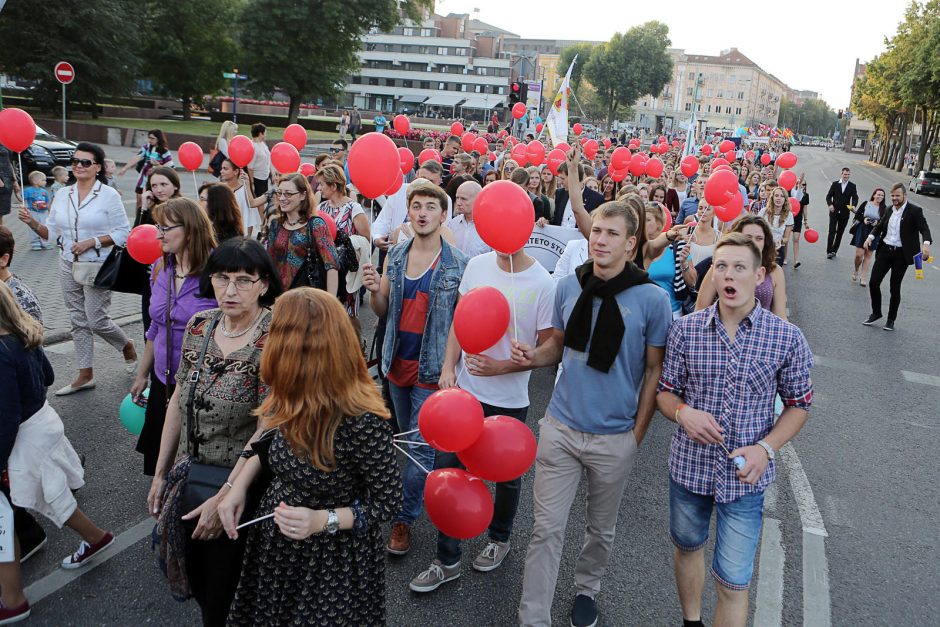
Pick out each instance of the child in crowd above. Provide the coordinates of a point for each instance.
(61, 179)
(37, 200)
(109, 169)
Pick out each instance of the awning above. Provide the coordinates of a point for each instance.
(445, 99)
(481, 102)
(412, 99)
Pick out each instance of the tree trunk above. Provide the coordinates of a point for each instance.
(928, 138)
(187, 108)
(94, 111)
(293, 110)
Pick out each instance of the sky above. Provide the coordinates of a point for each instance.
(808, 44)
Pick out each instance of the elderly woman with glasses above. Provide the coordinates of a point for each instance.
(209, 422)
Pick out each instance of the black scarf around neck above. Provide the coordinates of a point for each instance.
(608, 332)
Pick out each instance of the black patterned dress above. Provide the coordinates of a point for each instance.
(324, 579)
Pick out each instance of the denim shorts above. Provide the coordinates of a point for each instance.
(737, 531)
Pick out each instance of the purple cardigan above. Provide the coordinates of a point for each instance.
(183, 306)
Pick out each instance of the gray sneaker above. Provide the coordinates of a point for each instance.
(431, 579)
(491, 557)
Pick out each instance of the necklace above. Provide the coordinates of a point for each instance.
(234, 334)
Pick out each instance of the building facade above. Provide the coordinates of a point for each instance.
(859, 133)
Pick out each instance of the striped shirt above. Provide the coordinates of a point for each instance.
(736, 383)
(414, 316)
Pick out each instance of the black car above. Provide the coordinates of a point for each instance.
(46, 152)
(925, 183)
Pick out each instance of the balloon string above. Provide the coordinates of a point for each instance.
(406, 433)
(195, 184)
(412, 442)
(22, 186)
(426, 471)
(512, 298)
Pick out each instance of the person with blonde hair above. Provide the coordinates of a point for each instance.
(336, 479)
(780, 218)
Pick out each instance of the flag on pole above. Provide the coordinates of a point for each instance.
(557, 121)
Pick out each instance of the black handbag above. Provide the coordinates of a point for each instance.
(122, 273)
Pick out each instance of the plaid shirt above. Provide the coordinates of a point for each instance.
(737, 383)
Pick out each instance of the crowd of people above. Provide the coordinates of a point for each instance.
(261, 409)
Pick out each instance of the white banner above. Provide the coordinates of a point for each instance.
(547, 243)
(556, 123)
(7, 553)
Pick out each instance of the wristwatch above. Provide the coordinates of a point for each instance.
(97, 244)
(770, 450)
(332, 522)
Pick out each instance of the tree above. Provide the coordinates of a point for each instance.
(811, 117)
(631, 65)
(100, 39)
(581, 50)
(309, 48)
(191, 48)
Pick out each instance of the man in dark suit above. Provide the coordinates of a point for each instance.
(900, 232)
(564, 215)
(841, 198)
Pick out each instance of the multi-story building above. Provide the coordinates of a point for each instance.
(858, 132)
(800, 96)
(445, 66)
(732, 91)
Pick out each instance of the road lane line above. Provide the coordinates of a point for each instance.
(59, 578)
(768, 607)
(810, 517)
(918, 377)
(817, 611)
(843, 364)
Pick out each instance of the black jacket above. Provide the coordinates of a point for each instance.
(841, 200)
(592, 200)
(913, 227)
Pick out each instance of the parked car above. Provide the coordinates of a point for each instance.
(925, 183)
(46, 152)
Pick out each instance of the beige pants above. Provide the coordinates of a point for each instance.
(88, 313)
(563, 453)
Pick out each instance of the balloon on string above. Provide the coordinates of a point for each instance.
(458, 503)
(481, 145)
(787, 180)
(535, 152)
(654, 168)
(17, 129)
(467, 141)
(787, 160)
(241, 151)
(689, 165)
(618, 175)
(749, 155)
(607, 142)
(406, 158)
(591, 148)
(374, 164)
(308, 169)
(707, 149)
(726, 145)
(330, 223)
(765, 158)
(504, 451)
(717, 161)
(563, 146)
(189, 155)
(811, 236)
(577, 129)
(399, 181)
(731, 156)
(675, 143)
(504, 133)
(667, 220)
(503, 215)
(518, 110)
(637, 164)
(296, 136)
(401, 124)
(518, 154)
(429, 154)
(481, 319)
(795, 206)
(132, 413)
(285, 158)
(620, 158)
(450, 420)
(720, 187)
(539, 127)
(456, 129)
(555, 159)
(662, 139)
(143, 245)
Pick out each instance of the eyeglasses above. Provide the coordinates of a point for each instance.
(85, 163)
(333, 150)
(220, 281)
(163, 230)
(285, 194)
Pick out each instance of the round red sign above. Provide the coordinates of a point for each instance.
(64, 72)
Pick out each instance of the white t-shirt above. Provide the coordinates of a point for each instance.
(466, 236)
(250, 216)
(567, 218)
(534, 296)
(260, 165)
(576, 253)
(776, 228)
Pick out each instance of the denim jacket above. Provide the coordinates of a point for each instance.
(442, 300)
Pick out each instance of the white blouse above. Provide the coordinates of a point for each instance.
(100, 213)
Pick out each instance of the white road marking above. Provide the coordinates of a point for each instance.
(843, 364)
(810, 517)
(923, 426)
(768, 606)
(918, 377)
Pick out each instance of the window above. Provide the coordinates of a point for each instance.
(728, 110)
(425, 32)
(691, 76)
(444, 69)
(481, 71)
(737, 111)
(689, 91)
(708, 109)
(389, 82)
(463, 87)
(407, 83)
(478, 89)
(721, 94)
(425, 85)
(357, 80)
(711, 93)
(441, 86)
(424, 49)
(699, 107)
(500, 92)
(461, 52)
(442, 51)
(688, 106)
(732, 79)
(373, 81)
(408, 32)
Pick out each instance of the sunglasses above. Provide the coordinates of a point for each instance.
(85, 163)
(334, 150)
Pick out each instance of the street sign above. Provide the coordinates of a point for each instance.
(64, 72)
(233, 76)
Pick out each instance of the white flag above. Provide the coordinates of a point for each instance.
(557, 121)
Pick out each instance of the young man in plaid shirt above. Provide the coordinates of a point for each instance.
(724, 367)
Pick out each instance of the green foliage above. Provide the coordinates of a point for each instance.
(631, 65)
(812, 117)
(583, 51)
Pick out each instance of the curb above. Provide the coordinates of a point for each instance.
(58, 336)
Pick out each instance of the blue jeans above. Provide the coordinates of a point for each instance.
(505, 503)
(737, 531)
(40, 217)
(408, 402)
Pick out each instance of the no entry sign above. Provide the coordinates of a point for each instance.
(64, 72)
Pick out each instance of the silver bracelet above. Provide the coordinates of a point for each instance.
(229, 484)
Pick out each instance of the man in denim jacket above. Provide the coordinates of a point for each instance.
(418, 293)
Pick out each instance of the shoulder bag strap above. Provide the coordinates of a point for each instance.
(168, 321)
(194, 379)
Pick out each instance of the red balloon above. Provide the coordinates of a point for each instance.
(662, 139)
(504, 216)
(481, 145)
(675, 143)
(795, 206)
(429, 154)
(707, 149)
(717, 161)
(535, 152)
(503, 452)
(811, 236)
(726, 145)
(765, 158)
(618, 175)
(555, 159)
(467, 141)
(787, 160)
(406, 158)
(456, 129)
(399, 180)
(458, 503)
(450, 420)
(308, 169)
(667, 217)
(654, 168)
(296, 136)
(620, 158)
(637, 164)
(504, 133)
(539, 127)
(749, 155)
(241, 150)
(17, 129)
(654, 148)
(731, 156)
(374, 164)
(607, 142)
(722, 166)
(634, 144)
(518, 110)
(285, 158)
(689, 165)
(330, 223)
(143, 245)
(577, 128)
(518, 154)
(190, 156)
(720, 187)
(402, 124)
(787, 179)
(591, 148)
(481, 319)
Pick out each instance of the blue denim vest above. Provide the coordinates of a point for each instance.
(442, 300)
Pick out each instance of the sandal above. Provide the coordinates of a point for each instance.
(855, 277)
(862, 283)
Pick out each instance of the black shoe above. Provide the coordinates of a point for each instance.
(797, 265)
(584, 612)
(871, 320)
(830, 255)
(889, 325)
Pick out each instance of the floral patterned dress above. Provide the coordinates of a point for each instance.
(344, 216)
(324, 579)
(288, 249)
